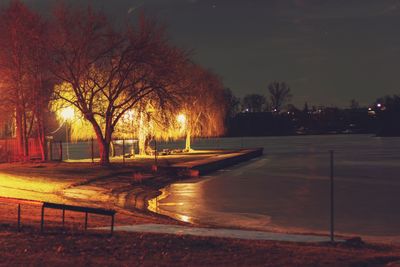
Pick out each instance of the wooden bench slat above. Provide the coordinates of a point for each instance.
(79, 208)
(20, 201)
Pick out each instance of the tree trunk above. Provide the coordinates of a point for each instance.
(25, 137)
(104, 148)
(19, 133)
(142, 146)
(188, 143)
(102, 141)
(41, 138)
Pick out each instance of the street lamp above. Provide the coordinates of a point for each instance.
(181, 118)
(67, 114)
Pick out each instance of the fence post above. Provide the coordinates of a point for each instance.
(332, 234)
(63, 218)
(92, 149)
(86, 220)
(19, 217)
(7, 152)
(155, 151)
(42, 220)
(112, 224)
(51, 150)
(123, 150)
(61, 151)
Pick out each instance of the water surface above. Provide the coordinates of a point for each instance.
(288, 188)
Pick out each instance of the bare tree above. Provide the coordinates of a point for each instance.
(232, 103)
(254, 103)
(279, 95)
(25, 87)
(107, 72)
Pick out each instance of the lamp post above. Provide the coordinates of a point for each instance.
(67, 114)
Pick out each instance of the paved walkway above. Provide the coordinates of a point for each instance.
(223, 233)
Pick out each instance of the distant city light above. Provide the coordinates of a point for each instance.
(379, 105)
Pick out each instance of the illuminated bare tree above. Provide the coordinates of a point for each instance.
(204, 107)
(26, 84)
(153, 118)
(109, 72)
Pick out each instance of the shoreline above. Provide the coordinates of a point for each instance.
(153, 208)
(142, 198)
(113, 189)
(83, 249)
(149, 201)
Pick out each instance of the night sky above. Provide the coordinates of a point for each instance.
(329, 51)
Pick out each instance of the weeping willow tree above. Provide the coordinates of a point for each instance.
(79, 127)
(199, 110)
(151, 120)
(203, 110)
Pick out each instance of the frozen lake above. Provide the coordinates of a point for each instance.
(288, 188)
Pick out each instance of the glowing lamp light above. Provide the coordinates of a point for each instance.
(129, 115)
(181, 118)
(379, 105)
(67, 113)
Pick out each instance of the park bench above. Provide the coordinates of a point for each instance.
(86, 210)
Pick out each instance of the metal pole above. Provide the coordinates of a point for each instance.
(86, 220)
(42, 220)
(332, 199)
(112, 224)
(61, 151)
(51, 150)
(67, 139)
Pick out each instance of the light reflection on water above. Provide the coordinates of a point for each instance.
(288, 188)
(188, 191)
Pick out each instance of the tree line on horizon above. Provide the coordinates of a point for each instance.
(258, 115)
(279, 94)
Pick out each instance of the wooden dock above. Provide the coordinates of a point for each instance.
(204, 166)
